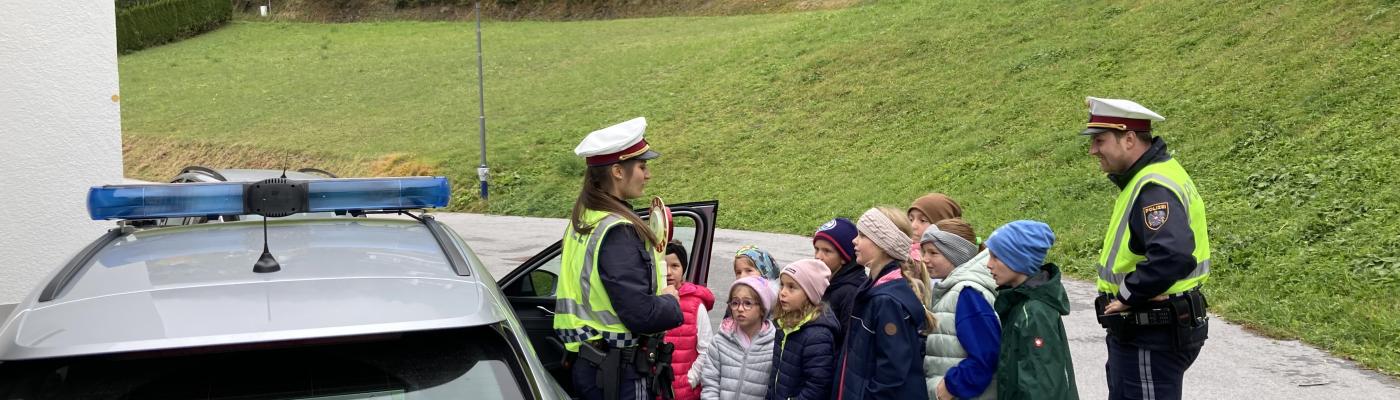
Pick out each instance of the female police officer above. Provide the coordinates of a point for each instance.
(612, 295)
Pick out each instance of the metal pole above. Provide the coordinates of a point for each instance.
(483, 172)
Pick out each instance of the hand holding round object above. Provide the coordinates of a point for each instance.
(661, 223)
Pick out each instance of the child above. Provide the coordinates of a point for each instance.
(1035, 361)
(806, 333)
(926, 210)
(739, 364)
(883, 349)
(833, 246)
(753, 261)
(693, 337)
(960, 358)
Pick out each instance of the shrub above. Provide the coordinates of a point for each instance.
(146, 23)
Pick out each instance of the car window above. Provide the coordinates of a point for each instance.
(685, 233)
(472, 363)
(543, 281)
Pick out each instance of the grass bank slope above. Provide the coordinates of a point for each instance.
(1285, 113)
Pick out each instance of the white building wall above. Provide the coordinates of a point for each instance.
(60, 132)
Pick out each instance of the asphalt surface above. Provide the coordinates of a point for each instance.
(1234, 364)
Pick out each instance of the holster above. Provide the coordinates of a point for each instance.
(655, 365)
(1192, 322)
(609, 361)
(1114, 324)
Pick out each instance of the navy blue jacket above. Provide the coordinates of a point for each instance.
(840, 295)
(1169, 247)
(884, 352)
(804, 360)
(626, 267)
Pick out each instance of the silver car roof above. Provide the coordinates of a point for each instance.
(254, 175)
(193, 286)
(241, 175)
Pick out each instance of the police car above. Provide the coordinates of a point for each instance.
(365, 298)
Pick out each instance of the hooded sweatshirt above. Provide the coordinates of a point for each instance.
(963, 353)
(1035, 361)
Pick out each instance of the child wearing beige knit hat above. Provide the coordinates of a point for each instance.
(885, 335)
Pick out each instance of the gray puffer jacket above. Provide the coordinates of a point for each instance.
(733, 373)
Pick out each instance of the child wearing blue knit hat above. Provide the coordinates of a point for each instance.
(1034, 360)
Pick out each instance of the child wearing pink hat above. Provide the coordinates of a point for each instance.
(806, 333)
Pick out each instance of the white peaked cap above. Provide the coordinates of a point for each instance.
(1118, 114)
(616, 143)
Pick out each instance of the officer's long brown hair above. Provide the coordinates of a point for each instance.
(597, 183)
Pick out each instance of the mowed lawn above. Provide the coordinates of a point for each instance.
(1286, 113)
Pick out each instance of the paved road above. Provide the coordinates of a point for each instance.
(1235, 364)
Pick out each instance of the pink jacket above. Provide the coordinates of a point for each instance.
(684, 338)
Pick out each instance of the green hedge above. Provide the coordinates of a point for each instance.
(148, 23)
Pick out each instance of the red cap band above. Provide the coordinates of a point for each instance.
(632, 151)
(1123, 124)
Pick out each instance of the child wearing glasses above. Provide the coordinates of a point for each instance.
(739, 364)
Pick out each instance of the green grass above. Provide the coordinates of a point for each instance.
(1285, 114)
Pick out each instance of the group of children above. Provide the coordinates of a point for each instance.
(897, 305)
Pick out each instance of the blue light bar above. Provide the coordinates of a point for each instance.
(378, 193)
(176, 200)
(164, 200)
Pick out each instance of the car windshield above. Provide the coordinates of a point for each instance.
(472, 363)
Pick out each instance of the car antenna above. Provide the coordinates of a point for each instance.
(272, 198)
(266, 262)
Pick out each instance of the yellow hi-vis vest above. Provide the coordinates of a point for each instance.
(582, 309)
(1117, 260)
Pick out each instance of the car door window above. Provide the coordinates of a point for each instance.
(541, 282)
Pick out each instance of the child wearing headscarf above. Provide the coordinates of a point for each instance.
(753, 261)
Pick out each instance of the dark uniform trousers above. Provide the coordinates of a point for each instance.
(1139, 372)
(585, 377)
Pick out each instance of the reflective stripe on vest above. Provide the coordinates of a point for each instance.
(1116, 261)
(583, 311)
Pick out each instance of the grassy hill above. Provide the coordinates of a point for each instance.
(552, 10)
(1284, 112)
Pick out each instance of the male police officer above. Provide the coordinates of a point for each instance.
(1156, 255)
(612, 297)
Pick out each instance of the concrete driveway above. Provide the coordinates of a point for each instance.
(1235, 364)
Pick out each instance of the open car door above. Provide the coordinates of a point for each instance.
(531, 287)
